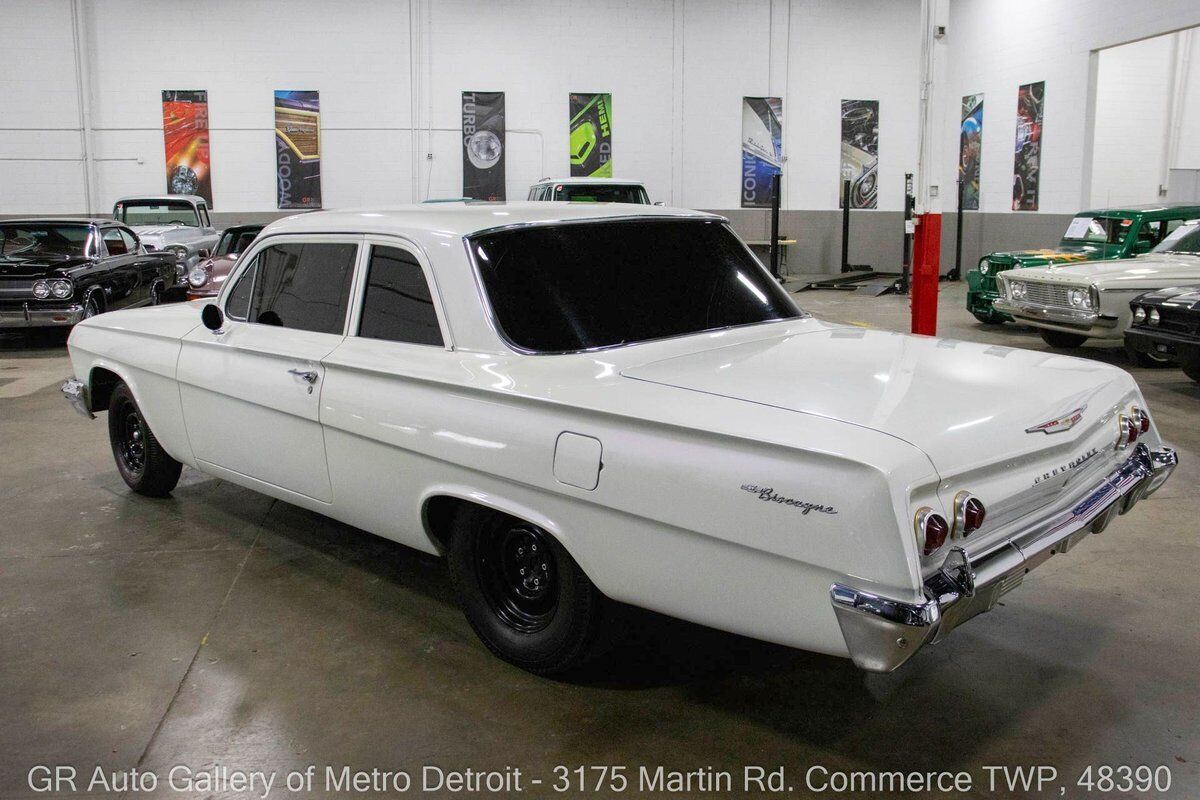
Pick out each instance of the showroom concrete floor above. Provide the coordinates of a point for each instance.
(221, 627)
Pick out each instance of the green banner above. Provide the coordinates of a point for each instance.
(591, 135)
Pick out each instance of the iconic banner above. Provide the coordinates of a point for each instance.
(860, 153)
(970, 140)
(298, 149)
(591, 135)
(483, 145)
(762, 148)
(1027, 162)
(185, 134)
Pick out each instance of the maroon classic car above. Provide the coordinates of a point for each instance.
(205, 279)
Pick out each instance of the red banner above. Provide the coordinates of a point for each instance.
(185, 134)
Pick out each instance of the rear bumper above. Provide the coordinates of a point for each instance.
(882, 633)
(37, 316)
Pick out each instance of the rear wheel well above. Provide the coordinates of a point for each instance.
(438, 517)
(100, 387)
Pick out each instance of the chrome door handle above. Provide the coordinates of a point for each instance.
(308, 375)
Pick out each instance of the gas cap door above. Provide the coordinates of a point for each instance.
(577, 460)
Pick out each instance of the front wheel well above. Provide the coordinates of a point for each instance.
(100, 387)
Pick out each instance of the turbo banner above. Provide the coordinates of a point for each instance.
(185, 134)
(483, 145)
(762, 148)
(1027, 161)
(970, 140)
(298, 149)
(860, 153)
(591, 135)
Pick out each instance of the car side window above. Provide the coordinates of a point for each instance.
(131, 243)
(115, 244)
(398, 305)
(300, 285)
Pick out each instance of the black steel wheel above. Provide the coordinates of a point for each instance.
(522, 593)
(144, 465)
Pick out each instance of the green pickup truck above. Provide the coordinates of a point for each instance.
(1092, 236)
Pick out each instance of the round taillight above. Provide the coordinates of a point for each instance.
(1143, 420)
(932, 530)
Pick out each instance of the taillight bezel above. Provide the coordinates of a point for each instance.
(921, 522)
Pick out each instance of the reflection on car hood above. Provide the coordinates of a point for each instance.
(167, 233)
(1149, 271)
(39, 268)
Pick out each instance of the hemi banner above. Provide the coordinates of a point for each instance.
(1027, 160)
(185, 134)
(860, 152)
(970, 142)
(483, 145)
(762, 148)
(298, 149)
(591, 135)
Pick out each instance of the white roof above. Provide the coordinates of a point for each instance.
(163, 198)
(463, 219)
(590, 182)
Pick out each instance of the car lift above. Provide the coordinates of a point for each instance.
(862, 277)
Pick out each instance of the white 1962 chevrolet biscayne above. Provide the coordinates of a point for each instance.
(577, 403)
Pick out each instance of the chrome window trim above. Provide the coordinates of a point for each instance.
(410, 246)
(493, 323)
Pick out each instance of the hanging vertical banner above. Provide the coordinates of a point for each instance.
(591, 135)
(762, 148)
(298, 149)
(860, 153)
(185, 134)
(483, 145)
(970, 141)
(1027, 163)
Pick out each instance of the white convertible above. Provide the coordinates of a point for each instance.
(1072, 303)
(577, 403)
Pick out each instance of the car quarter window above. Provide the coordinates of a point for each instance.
(113, 241)
(397, 304)
(301, 285)
(130, 240)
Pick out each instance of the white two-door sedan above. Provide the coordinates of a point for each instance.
(584, 403)
(1072, 303)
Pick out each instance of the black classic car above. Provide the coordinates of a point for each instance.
(55, 272)
(1166, 322)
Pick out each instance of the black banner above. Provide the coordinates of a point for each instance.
(298, 149)
(483, 145)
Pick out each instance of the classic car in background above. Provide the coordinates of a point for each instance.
(175, 223)
(1072, 304)
(589, 190)
(659, 414)
(205, 279)
(1091, 236)
(55, 272)
(1166, 324)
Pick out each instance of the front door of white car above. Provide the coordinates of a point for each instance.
(251, 393)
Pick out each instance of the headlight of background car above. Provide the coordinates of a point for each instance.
(41, 290)
(180, 252)
(984, 267)
(1139, 314)
(1153, 316)
(61, 289)
(1080, 298)
(198, 276)
(1017, 288)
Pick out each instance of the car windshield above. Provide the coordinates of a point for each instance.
(1098, 230)
(1184, 239)
(601, 193)
(158, 212)
(580, 286)
(25, 242)
(235, 241)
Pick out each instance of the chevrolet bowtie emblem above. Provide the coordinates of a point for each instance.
(1059, 424)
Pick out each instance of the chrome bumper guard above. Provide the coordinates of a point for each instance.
(1073, 317)
(882, 633)
(77, 393)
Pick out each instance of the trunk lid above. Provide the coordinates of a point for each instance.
(967, 406)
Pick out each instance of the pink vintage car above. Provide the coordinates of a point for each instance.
(205, 279)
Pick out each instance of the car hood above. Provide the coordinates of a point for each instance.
(167, 233)
(1056, 255)
(1149, 271)
(40, 268)
(1186, 297)
(966, 405)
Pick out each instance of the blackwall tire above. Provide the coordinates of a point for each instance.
(1062, 341)
(1191, 367)
(144, 465)
(1148, 360)
(549, 628)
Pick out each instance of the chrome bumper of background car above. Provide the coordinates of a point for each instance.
(882, 633)
(37, 317)
(1077, 318)
(77, 393)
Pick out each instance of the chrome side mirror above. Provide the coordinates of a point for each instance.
(212, 318)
